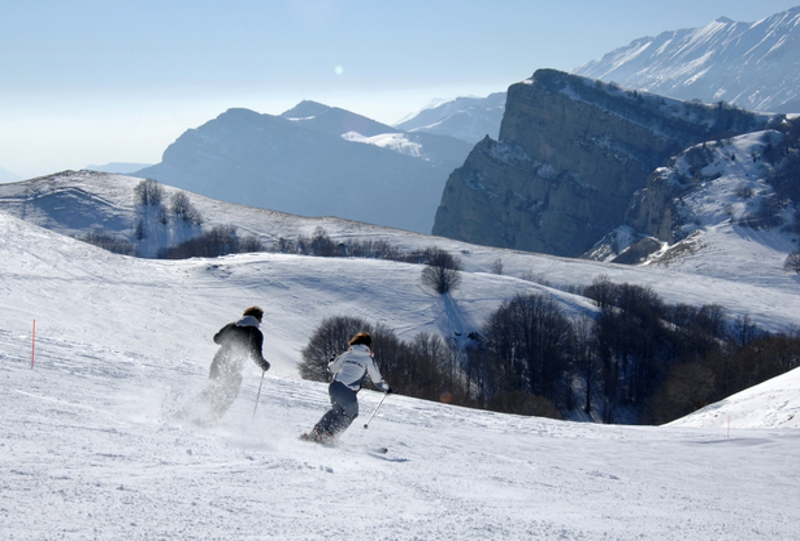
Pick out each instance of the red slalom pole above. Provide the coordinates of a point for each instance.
(33, 343)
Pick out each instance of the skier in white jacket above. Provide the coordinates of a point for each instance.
(349, 370)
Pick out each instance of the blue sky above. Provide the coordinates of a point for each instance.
(94, 81)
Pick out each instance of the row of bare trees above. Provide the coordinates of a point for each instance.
(424, 368)
(638, 360)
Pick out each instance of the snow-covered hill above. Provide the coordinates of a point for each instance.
(772, 404)
(715, 214)
(72, 202)
(89, 448)
(751, 65)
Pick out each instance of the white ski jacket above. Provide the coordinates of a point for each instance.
(352, 366)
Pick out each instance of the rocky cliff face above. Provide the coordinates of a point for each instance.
(571, 154)
(759, 169)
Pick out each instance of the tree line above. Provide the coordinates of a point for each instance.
(424, 368)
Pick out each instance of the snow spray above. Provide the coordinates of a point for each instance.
(33, 343)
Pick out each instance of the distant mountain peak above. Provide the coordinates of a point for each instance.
(306, 109)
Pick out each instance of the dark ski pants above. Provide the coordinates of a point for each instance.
(344, 409)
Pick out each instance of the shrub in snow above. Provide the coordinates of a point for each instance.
(442, 271)
(792, 263)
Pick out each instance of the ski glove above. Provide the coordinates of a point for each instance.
(265, 366)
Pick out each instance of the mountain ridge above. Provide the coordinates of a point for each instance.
(751, 65)
(306, 166)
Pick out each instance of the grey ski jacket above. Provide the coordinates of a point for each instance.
(352, 366)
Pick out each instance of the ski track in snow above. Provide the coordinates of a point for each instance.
(89, 451)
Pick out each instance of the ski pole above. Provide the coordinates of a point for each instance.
(366, 425)
(259, 394)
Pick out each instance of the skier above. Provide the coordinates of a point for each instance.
(349, 370)
(239, 340)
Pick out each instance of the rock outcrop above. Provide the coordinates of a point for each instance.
(571, 154)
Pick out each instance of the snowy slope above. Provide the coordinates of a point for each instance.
(89, 449)
(752, 65)
(772, 404)
(718, 187)
(716, 208)
(84, 290)
(764, 292)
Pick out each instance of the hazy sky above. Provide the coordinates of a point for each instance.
(95, 81)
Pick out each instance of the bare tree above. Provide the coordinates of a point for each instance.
(497, 266)
(149, 193)
(220, 240)
(442, 271)
(532, 336)
(792, 263)
(329, 340)
(602, 291)
(109, 242)
(183, 209)
(321, 244)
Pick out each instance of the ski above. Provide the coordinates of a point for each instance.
(332, 443)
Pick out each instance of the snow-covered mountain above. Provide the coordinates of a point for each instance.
(571, 154)
(312, 161)
(446, 152)
(715, 201)
(90, 448)
(752, 65)
(467, 118)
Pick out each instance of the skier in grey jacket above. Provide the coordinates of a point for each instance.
(349, 370)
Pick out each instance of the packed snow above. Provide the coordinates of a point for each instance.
(90, 449)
